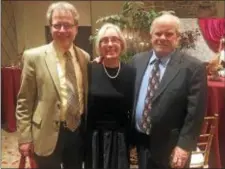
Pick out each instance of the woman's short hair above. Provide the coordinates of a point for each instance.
(101, 33)
(167, 17)
(62, 6)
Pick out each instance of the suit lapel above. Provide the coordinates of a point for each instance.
(50, 60)
(171, 71)
(141, 67)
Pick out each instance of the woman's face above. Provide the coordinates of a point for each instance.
(110, 45)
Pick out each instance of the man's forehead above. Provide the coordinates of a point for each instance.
(61, 12)
(166, 24)
(164, 28)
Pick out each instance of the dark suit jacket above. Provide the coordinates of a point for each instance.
(178, 106)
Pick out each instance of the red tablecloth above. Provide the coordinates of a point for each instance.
(9, 90)
(216, 104)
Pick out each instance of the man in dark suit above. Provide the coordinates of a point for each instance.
(170, 99)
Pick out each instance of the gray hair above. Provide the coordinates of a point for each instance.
(165, 18)
(64, 6)
(101, 33)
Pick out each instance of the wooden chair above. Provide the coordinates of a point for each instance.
(200, 157)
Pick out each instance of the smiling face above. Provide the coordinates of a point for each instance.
(110, 45)
(63, 28)
(164, 38)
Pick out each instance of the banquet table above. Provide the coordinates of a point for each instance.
(10, 80)
(216, 104)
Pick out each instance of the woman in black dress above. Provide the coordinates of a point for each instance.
(111, 88)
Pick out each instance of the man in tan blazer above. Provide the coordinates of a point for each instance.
(53, 95)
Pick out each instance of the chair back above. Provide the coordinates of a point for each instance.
(209, 128)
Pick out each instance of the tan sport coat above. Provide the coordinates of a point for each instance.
(39, 103)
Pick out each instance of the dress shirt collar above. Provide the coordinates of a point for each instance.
(163, 61)
(60, 53)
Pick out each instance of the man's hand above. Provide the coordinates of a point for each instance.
(26, 149)
(98, 59)
(179, 158)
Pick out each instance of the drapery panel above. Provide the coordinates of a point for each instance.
(213, 30)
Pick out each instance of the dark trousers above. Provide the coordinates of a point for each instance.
(143, 151)
(68, 152)
(145, 160)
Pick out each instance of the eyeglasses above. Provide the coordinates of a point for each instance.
(65, 26)
(113, 39)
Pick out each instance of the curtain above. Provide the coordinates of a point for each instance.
(213, 30)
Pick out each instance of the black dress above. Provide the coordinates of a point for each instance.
(109, 109)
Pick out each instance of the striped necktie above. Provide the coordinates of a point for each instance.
(73, 107)
(153, 85)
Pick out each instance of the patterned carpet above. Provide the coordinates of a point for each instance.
(11, 156)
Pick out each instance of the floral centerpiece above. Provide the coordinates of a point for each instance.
(216, 64)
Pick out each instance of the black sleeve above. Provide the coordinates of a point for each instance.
(131, 105)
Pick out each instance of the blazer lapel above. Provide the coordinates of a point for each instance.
(84, 73)
(80, 59)
(50, 60)
(170, 73)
